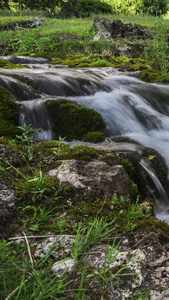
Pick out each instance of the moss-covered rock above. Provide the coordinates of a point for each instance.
(149, 71)
(9, 114)
(72, 121)
(153, 76)
(5, 64)
(94, 137)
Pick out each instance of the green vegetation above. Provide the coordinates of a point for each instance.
(9, 114)
(79, 8)
(27, 139)
(26, 278)
(5, 64)
(72, 121)
(44, 207)
(154, 70)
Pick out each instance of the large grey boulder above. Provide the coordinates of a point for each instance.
(97, 175)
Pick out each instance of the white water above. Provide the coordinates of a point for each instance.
(128, 106)
(131, 110)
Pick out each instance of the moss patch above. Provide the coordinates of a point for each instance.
(94, 137)
(9, 114)
(149, 72)
(72, 121)
(5, 64)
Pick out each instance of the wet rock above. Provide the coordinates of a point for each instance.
(94, 174)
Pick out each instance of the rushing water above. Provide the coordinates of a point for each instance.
(129, 107)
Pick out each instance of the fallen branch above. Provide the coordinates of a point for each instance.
(39, 236)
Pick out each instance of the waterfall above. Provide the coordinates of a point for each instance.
(34, 112)
(134, 109)
(162, 200)
(129, 107)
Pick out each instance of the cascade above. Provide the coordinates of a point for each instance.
(162, 200)
(129, 107)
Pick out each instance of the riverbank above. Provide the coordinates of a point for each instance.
(57, 37)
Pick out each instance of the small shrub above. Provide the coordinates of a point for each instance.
(125, 7)
(155, 7)
(83, 8)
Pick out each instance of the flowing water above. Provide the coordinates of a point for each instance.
(129, 107)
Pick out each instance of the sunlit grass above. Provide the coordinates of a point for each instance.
(60, 36)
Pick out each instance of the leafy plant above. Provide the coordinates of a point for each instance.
(131, 211)
(27, 139)
(37, 185)
(41, 215)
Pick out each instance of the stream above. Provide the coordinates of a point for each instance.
(129, 107)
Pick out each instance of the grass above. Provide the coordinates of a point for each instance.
(43, 209)
(34, 279)
(57, 36)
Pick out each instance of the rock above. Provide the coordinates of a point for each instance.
(155, 252)
(8, 155)
(7, 203)
(133, 260)
(7, 196)
(115, 29)
(61, 245)
(94, 174)
(64, 266)
(22, 24)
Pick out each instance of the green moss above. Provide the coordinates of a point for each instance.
(76, 61)
(72, 121)
(4, 140)
(148, 72)
(133, 190)
(94, 137)
(153, 223)
(126, 164)
(5, 64)
(153, 76)
(121, 60)
(9, 114)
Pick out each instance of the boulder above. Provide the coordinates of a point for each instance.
(117, 29)
(95, 174)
